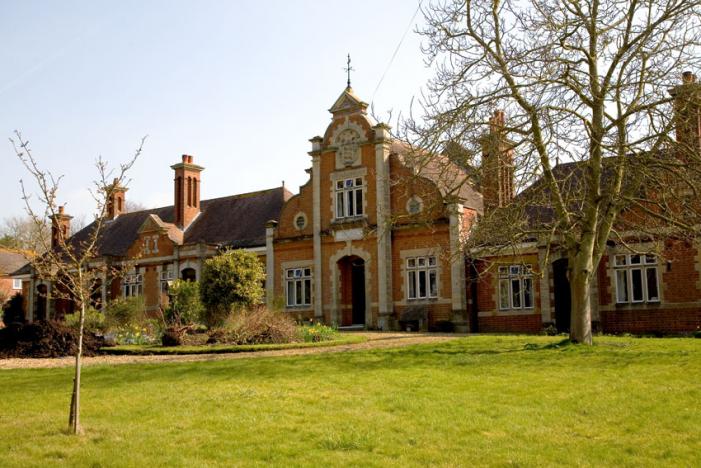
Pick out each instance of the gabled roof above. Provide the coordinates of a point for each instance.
(10, 262)
(154, 223)
(235, 221)
(571, 178)
(451, 179)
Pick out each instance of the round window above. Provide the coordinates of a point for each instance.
(300, 221)
(414, 205)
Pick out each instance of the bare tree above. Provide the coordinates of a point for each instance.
(580, 81)
(20, 233)
(132, 206)
(69, 262)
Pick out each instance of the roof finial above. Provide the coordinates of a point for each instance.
(349, 69)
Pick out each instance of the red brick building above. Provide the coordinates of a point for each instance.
(162, 244)
(645, 285)
(373, 239)
(10, 262)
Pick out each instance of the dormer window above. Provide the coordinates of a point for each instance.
(349, 197)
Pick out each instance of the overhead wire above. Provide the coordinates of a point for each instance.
(396, 51)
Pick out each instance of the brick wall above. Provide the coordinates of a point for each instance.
(530, 323)
(651, 320)
(490, 318)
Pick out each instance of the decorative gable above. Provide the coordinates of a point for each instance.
(156, 238)
(348, 103)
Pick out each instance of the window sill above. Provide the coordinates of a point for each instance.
(638, 304)
(522, 311)
(298, 308)
(427, 300)
(352, 221)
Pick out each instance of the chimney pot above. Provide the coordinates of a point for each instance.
(60, 210)
(187, 191)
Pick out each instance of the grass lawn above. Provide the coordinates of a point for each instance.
(484, 400)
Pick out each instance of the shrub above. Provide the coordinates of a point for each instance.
(256, 326)
(124, 313)
(318, 332)
(185, 307)
(230, 280)
(94, 320)
(12, 310)
(172, 337)
(44, 339)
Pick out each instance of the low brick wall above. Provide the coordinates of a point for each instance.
(530, 323)
(667, 321)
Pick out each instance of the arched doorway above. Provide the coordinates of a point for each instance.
(189, 274)
(40, 302)
(561, 286)
(352, 303)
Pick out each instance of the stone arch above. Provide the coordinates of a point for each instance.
(349, 251)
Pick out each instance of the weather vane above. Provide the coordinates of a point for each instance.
(349, 69)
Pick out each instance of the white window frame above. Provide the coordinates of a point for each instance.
(298, 282)
(166, 277)
(16, 283)
(422, 273)
(349, 197)
(514, 286)
(624, 266)
(133, 285)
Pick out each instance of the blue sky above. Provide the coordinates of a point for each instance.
(242, 86)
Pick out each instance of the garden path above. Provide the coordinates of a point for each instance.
(375, 340)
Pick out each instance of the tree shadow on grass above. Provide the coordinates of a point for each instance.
(458, 353)
(337, 363)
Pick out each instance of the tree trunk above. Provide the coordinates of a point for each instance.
(74, 414)
(580, 285)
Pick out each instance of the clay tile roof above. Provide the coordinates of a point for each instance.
(451, 179)
(239, 220)
(10, 262)
(571, 177)
(235, 221)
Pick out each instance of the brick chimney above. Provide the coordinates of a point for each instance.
(687, 113)
(116, 202)
(60, 228)
(497, 164)
(187, 191)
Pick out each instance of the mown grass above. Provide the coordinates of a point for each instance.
(150, 350)
(484, 400)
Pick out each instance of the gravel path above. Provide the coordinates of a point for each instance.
(375, 340)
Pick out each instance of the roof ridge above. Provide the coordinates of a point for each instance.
(245, 194)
